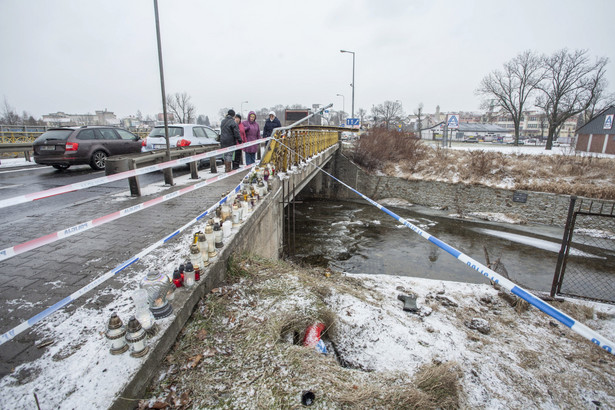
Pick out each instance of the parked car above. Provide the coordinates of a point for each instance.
(180, 135)
(470, 139)
(63, 147)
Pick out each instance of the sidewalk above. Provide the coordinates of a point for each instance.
(37, 279)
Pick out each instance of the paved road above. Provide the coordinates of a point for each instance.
(35, 280)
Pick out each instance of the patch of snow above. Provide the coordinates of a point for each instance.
(595, 233)
(15, 162)
(496, 217)
(535, 242)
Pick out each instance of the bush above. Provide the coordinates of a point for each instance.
(379, 146)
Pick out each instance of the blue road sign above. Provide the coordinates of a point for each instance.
(352, 121)
(453, 122)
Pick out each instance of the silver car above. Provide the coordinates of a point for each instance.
(180, 135)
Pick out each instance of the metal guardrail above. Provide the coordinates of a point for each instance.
(121, 163)
(26, 148)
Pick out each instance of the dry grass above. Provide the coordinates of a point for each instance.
(384, 146)
(560, 174)
(231, 355)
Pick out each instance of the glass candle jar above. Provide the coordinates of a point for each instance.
(203, 247)
(211, 241)
(157, 287)
(189, 278)
(218, 235)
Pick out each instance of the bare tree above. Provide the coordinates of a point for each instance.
(571, 85)
(600, 101)
(222, 112)
(180, 106)
(387, 113)
(513, 86)
(9, 116)
(362, 113)
(419, 118)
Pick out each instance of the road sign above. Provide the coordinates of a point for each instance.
(352, 121)
(453, 122)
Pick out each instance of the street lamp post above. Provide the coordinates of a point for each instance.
(352, 85)
(343, 104)
(241, 108)
(168, 172)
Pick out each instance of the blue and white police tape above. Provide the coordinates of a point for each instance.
(121, 175)
(578, 327)
(50, 310)
(84, 226)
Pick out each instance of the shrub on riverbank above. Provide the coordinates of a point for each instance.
(566, 173)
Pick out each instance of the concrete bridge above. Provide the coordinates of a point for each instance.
(297, 157)
(297, 153)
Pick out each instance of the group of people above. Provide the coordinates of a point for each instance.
(233, 131)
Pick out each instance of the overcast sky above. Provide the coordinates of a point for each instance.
(79, 56)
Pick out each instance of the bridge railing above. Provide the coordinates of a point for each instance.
(291, 146)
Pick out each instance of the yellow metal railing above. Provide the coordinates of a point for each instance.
(290, 147)
(14, 137)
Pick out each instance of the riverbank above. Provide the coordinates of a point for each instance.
(500, 166)
(468, 345)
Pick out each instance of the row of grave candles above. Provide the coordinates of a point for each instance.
(157, 289)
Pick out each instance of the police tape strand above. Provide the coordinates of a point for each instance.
(568, 321)
(50, 310)
(122, 175)
(84, 226)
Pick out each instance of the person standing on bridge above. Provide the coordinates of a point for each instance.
(229, 136)
(271, 123)
(237, 161)
(253, 132)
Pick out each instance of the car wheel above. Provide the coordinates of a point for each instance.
(98, 161)
(61, 167)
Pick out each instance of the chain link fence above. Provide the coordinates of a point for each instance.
(586, 264)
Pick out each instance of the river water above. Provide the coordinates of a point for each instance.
(359, 238)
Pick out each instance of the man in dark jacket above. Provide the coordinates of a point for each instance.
(229, 136)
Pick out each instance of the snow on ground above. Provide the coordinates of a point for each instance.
(512, 365)
(518, 363)
(15, 162)
(522, 149)
(508, 357)
(77, 371)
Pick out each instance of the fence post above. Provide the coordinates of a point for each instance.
(563, 250)
(133, 182)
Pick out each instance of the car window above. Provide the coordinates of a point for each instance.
(55, 135)
(108, 134)
(199, 132)
(211, 133)
(87, 135)
(125, 135)
(173, 132)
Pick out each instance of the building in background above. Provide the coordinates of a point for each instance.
(61, 119)
(598, 135)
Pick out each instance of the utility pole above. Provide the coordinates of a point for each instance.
(353, 84)
(168, 172)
